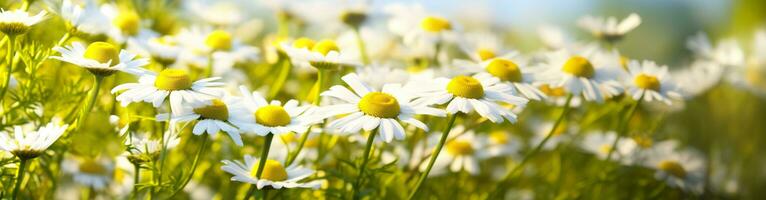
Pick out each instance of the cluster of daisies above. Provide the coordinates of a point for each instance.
(198, 80)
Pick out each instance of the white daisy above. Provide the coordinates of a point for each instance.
(483, 46)
(540, 129)
(726, 53)
(683, 168)
(650, 81)
(558, 96)
(257, 115)
(462, 152)
(143, 149)
(323, 54)
(752, 76)
(162, 49)
(601, 143)
(202, 45)
(18, 22)
(101, 58)
(95, 173)
(510, 68)
(417, 26)
(212, 116)
(590, 73)
(124, 24)
(698, 78)
(610, 29)
(174, 83)
(368, 109)
(27, 144)
(274, 175)
(500, 143)
(371, 74)
(480, 92)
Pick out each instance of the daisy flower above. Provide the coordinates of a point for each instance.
(682, 168)
(610, 29)
(95, 173)
(511, 69)
(698, 78)
(540, 129)
(101, 58)
(142, 149)
(212, 116)
(368, 109)
(726, 53)
(176, 84)
(416, 25)
(30, 144)
(274, 175)
(591, 73)
(481, 92)
(162, 49)
(371, 75)
(752, 76)
(257, 115)
(202, 45)
(601, 143)
(324, 54)
(651, 82)
(124, 24)
(462, 152)
(17, 22)
(558, 95)
(483, 46)
(500, 143)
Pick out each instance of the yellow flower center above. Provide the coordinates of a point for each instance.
(312, 143)
(647, 82)
(325, 46)
(435, 24)
(465, 86)
(505, 70)
(129, 22)
(460, 147)
(605, 148)
(14, 28)
(643, 141)
(216, 110)
(499, 137)
(91, 167)
(353, 18)
(485, 54)
(219, 40)
(672, 167)
(756, 76)
(272, 170)
(272, 116)
(173, 79)
(579, 66)
(304, 43)
(624, 62)
(103, 52)
(552, 91)
(379, 104)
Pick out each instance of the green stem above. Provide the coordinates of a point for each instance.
(362, 47)
(194, 165)
(322, 78)
(284, 72)
(209, 69)
(64, 39)
(365, 161)
(136, 180)
(437, 48)
(250, 192)
(621, 128)
(283, 28)
(501, 186)
(434, 155)
(291, 158)
(163, 143)
(8, 66)
(264, 157)
(19, 177)
(90, 101)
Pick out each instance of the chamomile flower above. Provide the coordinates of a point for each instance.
(176, 84)
(726, 53)
(417, 26)
(310, 149)
(541, 129)
(368, 109)
(462, 152)
(17, 22)
(752, 76)
(682, 168)
(590, 73)
(650, 81)
(481, 92)
(698, 78)
(95, 173)
(102, 59)
(211, 117)
(500, 143)
(558, 96)
(142, 149)
(162, 49)
(274, 175)
(202, 45)
(372, 75)
(323, 54)
(483, 46)
(610, 29)
(511, 69)
(27, 144)
(258, 116)
(601, 143)
(125, 23)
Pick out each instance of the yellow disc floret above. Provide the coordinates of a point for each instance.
(460, 147)
(173, 79)
(673, 168)
(91, 167)
(272, 115)
(129, 22)
(14, 28)
(219, 40)
(435, 24)
(216, 110)
(505, 70)
(304, 43)
(647, 82)
(465, 86)
(552, 91)
(379, 104)
(103, 52)
(485, 54)
(272, 170)
(579, 66)
(325, 46)
(499, 137)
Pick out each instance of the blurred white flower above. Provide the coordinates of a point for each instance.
(682, 168)
(96, 173)
(461, 152)
(18, 22)
(27, 144)
(650, 81)
(274, 175)
(102, 59)
(609, 29)
(211, 116)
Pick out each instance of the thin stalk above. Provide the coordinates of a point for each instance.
(194, 165)
(136, 180)
(365, 161)
(501, 184)
(264, 156)
(64, 39)
(163, 143)
(434, 155)
(90, 101)
(291, 158)
(8, 66)
(318, 85)
(209, 69)
(621, 128)
(19, 177)
(362, 47)
(284, 72)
